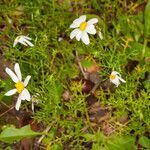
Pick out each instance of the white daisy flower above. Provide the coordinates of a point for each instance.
(82, 28)
(115, 78)
(25, 40)
(19, 84)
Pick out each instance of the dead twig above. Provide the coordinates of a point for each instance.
(80, 66)
(7, 111)
(42, 137)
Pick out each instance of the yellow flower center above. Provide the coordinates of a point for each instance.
(83, 26)
(112, 76)
(19, 86)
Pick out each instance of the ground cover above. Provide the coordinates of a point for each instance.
(78, 103)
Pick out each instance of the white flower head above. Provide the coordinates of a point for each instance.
(82, 28)
(20, 86)
(25, 40)
(115, 78)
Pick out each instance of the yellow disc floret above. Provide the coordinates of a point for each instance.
(112, 76)
(19, 86)
(83, 26)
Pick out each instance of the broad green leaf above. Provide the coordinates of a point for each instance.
(144, 141)
(11, 134)
(122, 143)
(147, 20)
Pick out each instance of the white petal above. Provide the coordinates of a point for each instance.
(92, 21)
(78, 36)
(91, 29)
(85, 38)
(18, 72)
(28, 42)
(25, 95)
(121, 79)
(26, 37)
(11, 92)
(115, 73)
(26, 81)
(15, 42)
(115, 81)
(74, 33)
(22, 42)
(12, 75)
(82, 18)
(74, 25)
(18, 102)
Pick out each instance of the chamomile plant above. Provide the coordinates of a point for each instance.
(20, 86)
(82, 28)
(24, 40)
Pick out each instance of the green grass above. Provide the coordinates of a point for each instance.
(53, 67)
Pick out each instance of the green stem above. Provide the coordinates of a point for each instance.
(144, 47)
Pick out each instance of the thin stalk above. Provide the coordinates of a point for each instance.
(80, 66)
